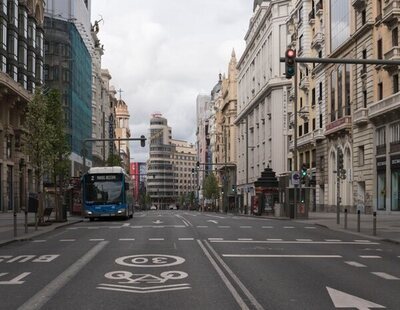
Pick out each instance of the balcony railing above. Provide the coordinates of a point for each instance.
(393, 53)
(317, 40)
(391, 11)
(340, 124)
(384, 106)
(319, 134)
(360, 116)
(305, 139)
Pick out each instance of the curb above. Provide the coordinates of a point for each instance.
(28, 238)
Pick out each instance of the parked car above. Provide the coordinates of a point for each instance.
(153, 208)
(172, 207)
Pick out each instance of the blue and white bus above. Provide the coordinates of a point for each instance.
(106, 193)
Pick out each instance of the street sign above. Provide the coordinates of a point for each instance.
(295, 178)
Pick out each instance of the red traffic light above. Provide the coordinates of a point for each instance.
(290, 53)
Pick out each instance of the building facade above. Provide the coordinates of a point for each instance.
(262, 97)
(122, 131)
(68, 68)
(21, 72)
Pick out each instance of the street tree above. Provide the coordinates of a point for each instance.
(38, 145)
(114, 160)
(210, 186)
(59, 164)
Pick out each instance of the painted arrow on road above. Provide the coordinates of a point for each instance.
(158, 222)
(344, 300)
(212, 221)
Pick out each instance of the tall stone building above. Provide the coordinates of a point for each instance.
(122, 131)
(21, 72)
(170, 165)
(262, 97)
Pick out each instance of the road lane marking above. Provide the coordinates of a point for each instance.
(304, 240)
(333, 240)
(215, 239)
(274, 239)
(93, 227)
(67, 240)
(310, 227)
(280, 256)
(267, 227)
(224, 227)
(219, 217)
(370, 256)
(355, 264)
(288, 227)
(185, 239)
(137, 226)
(245, 239)
(224, 279)
(244, 289)
(363, 240)
(385, 276)
(290, 242)
(39, 240)
(126, 239)
(245, 226)
(96, 239)
(156, 239)
(115, 227)
(44, 295)
(202, 226)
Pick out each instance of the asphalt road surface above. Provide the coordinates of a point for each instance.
(192, 260)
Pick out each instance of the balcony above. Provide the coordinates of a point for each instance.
(305, 139)
(304, 112)
(392, 54)
(304, 83)
(384, 107)
(311, 17)
(317, 41)
(358, 4)
(391, 12)
(360, 117)
(319, 7)
(319, 134)
(341, 124)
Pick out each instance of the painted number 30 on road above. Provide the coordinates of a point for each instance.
(149, 260)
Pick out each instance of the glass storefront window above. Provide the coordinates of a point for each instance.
(381, 196)
(395, 205)
(340, 22)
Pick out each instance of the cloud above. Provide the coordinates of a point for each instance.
(162, 54)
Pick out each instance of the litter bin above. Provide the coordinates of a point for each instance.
(33, 203)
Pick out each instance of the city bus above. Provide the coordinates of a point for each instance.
(106, 193)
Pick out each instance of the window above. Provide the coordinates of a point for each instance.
(364, 98)
(313, 124)
(320, 91)
(395, 37)
(364, 56)
(379, 48)
(395, 133)
(361, 155)
(320, 121)
(313, 97)
(339, 22)
(381, 136)
(300, 131)
(363, 17)
(300, 15)
(300, 43)
(333, 94)
(306, 128)
(380, 91)
(395, 83)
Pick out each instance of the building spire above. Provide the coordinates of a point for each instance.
(120, 93)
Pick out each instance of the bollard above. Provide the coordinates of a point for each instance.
(358, 220)
(374, 225)
(345, 218)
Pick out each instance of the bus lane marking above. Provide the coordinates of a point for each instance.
(149, 260)
(15, 280)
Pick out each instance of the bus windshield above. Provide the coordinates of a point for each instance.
(103, 188)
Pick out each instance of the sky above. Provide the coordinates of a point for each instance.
(162, 54)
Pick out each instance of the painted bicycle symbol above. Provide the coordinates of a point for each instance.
(127, 277)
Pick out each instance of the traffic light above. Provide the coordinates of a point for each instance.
(303, 171)
(192, 170)
(198, 164)
(142, 141)
(233, 188)
(340, 160)
(290, 63)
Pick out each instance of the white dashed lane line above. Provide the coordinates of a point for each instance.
(224, 227)
(385, 276)
(333, 240)
(185, 239)
(355, 264)
(288, 227)
(215, 239)
(274, 239)
(202, 226)
(156, 239)
(246, 226)
(67, 240)
(245, 239)
(269, 227)
(370, 256)
(39, 240)
(126, 239)
(96, 239)
(310, 227)
(304, 240)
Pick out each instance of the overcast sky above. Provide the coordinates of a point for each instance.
(162, 54)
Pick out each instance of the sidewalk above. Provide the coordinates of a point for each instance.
(7, 226)
(387, 225)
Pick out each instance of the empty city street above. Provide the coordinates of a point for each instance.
(192, 260)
